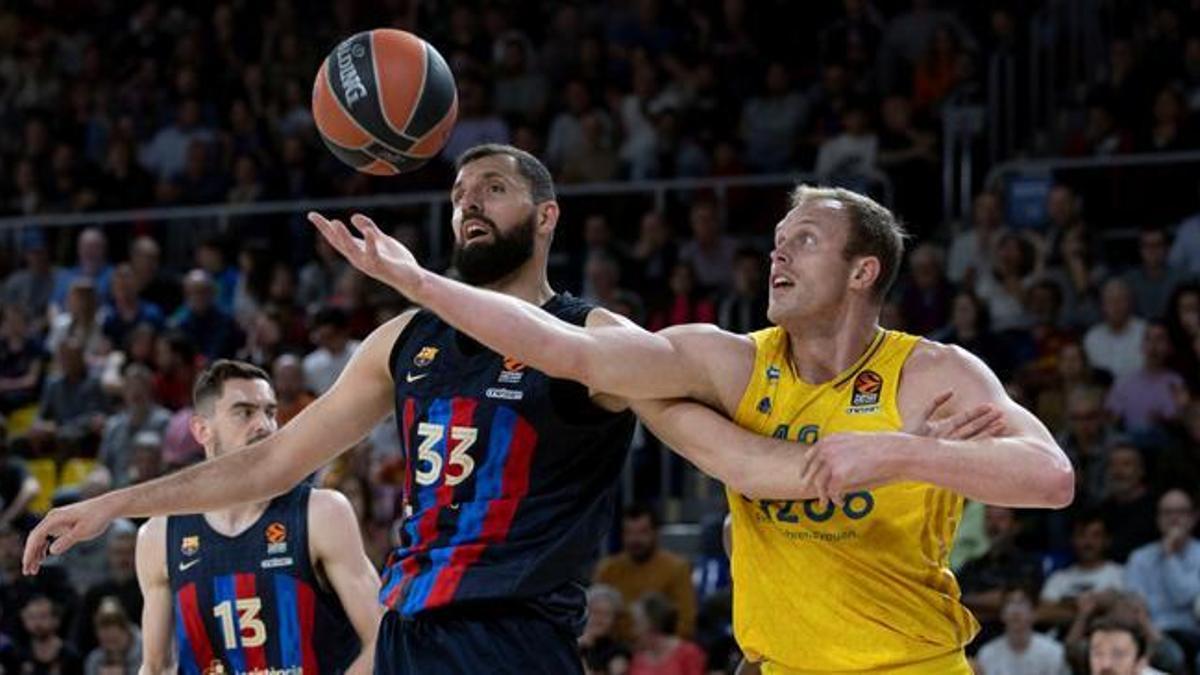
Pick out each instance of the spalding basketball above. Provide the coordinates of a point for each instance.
(385, 101)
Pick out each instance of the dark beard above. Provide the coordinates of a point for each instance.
(482, 264)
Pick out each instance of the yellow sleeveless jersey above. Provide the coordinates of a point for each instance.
(865, 587)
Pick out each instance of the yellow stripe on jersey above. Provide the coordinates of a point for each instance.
(865, 587)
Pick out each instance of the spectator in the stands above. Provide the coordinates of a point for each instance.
(1091, 572)
(73, 406)
(601, 647)
(1152, 395)
(659, 648)
(288, 377)
(45, 651)
(1116, 647)
(643, 566)
(1154, 280)
(926, 296)
(1005, 565)
(334, 347)
(1086, 437)
(686, 303)
(153, 284)
(126, 310)
(1167, 572)
(82, 321)
(92, 263)
(1116, 344)
(1128, 507)
(139, 413)
(32, 286)
(119, 647)
(1019, 649)
(772, 122)
(654, 254)
(710, 251)
(215, 332)
(22, 362)
(119, 585)
(744, 308)
(1178, 464)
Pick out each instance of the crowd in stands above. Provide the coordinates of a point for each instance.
(102, 330)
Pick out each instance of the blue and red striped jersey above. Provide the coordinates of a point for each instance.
(510, 475)
(253, 603)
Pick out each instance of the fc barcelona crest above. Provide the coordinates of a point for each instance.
(190, 545)
(425, 356)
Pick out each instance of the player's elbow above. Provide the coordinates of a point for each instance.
(1060, 486)
(1055, 483)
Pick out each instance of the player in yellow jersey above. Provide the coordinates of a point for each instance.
(845, 569)
(851, 574)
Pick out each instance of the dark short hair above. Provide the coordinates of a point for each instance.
(660, 612)
(210, 384)
(1113, 623)
(334, 317)
(642, 510)
(874, 231)
(541, 185)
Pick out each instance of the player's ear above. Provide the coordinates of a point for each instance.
(200, 428)
(863, 273)
(547, 216)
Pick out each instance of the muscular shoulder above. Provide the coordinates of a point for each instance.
(934, 368)
(152, 532)
(329, 508)
(934, 363)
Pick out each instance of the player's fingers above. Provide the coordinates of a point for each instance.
(61, 544)
(976, 423)
(938, 402)
(35, 549)
(364, 224)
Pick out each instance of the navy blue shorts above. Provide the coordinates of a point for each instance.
(492, 641)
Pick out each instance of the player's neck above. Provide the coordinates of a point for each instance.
(235, 520)
(528, 285)
(822, 351)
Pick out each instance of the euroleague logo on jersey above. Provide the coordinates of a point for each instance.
(276, 535)
(512, 371)
(864, 396)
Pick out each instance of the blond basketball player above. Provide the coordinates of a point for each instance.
(857, 578)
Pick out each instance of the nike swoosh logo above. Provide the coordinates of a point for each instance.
(410, 378)
(185, 566)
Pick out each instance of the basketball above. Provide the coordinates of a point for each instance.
(384, 101)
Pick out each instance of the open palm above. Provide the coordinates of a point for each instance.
(376, 254)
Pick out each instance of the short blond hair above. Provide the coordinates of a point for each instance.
(874, 230)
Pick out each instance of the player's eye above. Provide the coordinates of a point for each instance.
(497, 188)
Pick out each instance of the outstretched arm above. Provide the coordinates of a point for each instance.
(360, 398)
(617, 358)
(337, 546)
(762, 467)
(1023, 467)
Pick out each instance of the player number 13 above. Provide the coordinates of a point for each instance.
(429, 460)
(253, 631)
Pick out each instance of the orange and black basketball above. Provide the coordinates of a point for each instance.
(385, 101)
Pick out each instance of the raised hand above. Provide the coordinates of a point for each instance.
(376, 254)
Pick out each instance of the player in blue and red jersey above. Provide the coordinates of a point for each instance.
(509, 475)
(260, 587)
